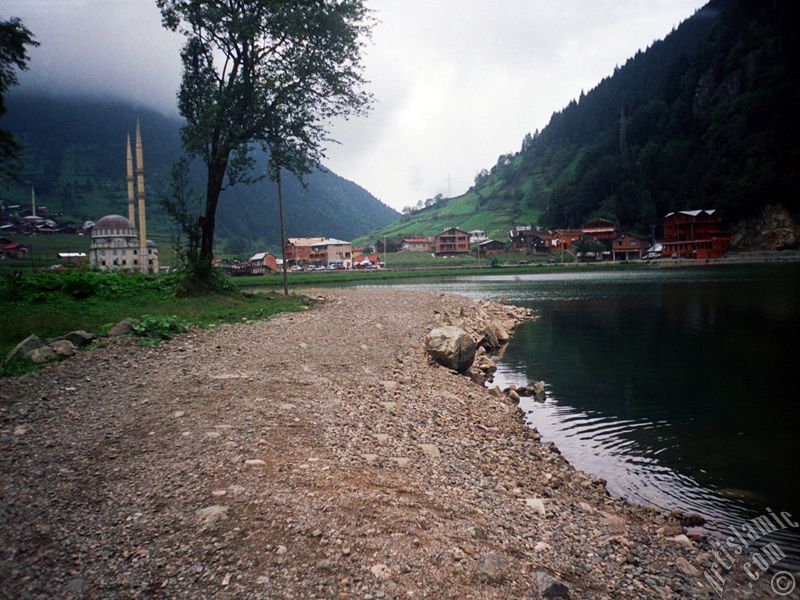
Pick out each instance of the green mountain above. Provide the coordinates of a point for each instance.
(705, 118)
(75, 157)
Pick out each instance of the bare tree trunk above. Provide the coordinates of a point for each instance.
(283, 234)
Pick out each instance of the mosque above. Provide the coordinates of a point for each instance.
(116, 244)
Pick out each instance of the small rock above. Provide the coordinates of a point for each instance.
(430, 450)
(401, 461)
(178, 414)
(79, 337)
(41, 355)
(63, 348)
(381, 571)
(281, 550)
(542, 547)
(218, 493)
(681, 539)
(382, 437)
(25, 347)
(550, 587)
(685, 567)
(389, 386)
(20, 430)
(537, 505)
(370, 458)
(254, 462)
(493, 569)
(212, 514)
(120, 328)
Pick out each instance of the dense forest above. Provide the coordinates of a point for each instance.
(75, 157)
(706, 118)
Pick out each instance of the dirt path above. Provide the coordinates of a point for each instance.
(317, 454)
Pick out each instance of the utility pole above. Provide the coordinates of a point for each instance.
(385, 254)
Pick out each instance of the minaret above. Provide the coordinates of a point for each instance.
(131, 209)
(140, 189)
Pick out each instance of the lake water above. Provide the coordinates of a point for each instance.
(677, 386)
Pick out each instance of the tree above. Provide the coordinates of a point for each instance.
(14, 40)
(273, 72)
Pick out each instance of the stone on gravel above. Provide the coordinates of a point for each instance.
(254, 462)
(79, 337)
(550, 587)
(381, 571)
(25, 347)
(430, 450)
(63, 348)
(685, 567)
(451, 347)
(121, 328)
(493, 569)
(211, 514)
(536, 504)
(41, 355)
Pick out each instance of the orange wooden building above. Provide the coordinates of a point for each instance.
(695, 234)
(452, 241)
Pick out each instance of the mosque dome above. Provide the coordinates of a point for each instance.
(113, 222)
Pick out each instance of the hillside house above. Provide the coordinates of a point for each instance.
(416, 244)
(628, 247)
(525, 238)
(477, 236)
(563, 239)
(452, 241)
(331, 251)
(371, 261)
(694, 234)
(490, 247)
(600, 229)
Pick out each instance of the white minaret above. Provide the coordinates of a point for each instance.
(143, 257)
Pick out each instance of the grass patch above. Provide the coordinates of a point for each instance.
(52, 304)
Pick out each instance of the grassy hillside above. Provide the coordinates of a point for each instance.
(705, 118)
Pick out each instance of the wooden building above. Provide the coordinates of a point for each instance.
(628, 247)
(416, 244)
(451, 241)
(565, 238)
(298, 250)
(525, 238)
(694, 234)
(263, 263)
(491, 247)
(600, 229)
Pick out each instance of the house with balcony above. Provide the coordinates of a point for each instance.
(694, 234)
(451, 241)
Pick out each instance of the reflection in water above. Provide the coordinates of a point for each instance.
(675, 386)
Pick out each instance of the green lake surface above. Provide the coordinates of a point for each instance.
(677, 386)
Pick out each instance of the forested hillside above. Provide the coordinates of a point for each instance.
(706, 118)
(75, 157)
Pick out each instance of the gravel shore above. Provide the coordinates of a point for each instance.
(315, 455)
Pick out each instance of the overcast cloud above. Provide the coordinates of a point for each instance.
(457, 82)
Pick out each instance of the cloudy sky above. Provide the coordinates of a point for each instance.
(457, 82)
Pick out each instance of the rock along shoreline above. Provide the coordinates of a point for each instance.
(314, 455)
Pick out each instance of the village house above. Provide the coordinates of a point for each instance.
(298, 250)
(14, 250)
(600, 229)
(563, 239)
(452, 241)
(489, 247)
(416, 244)
(477, 236)
(263, 263)
(628, 247)
(370, 261)
(694, 234)
(319, 251)
(525, 238)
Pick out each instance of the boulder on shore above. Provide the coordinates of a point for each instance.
(451, 347)
(25, 347)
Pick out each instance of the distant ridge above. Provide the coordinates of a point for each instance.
(75, 156)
